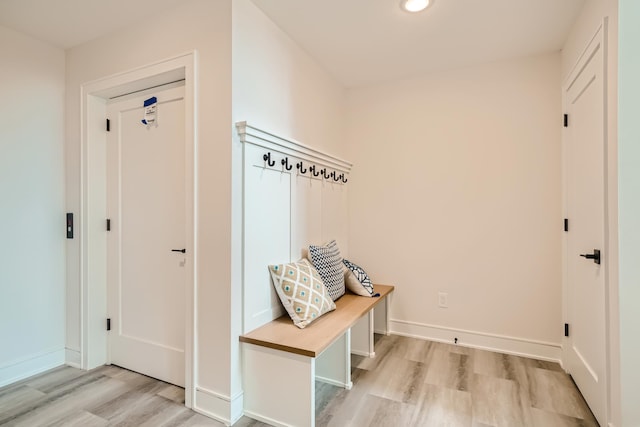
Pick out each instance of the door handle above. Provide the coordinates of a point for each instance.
(595, 256)
(184, 251)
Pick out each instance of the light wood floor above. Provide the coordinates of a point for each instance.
(410, 382)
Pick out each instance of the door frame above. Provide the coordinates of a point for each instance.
(600, 36)
(93, 195)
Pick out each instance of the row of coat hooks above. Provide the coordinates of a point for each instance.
(313, 170)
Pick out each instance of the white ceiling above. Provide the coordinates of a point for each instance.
(359, 42)
(67, 23)
(362, 42)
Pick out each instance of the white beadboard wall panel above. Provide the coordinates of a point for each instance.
(335, 199)
(284, 212)
(267, 222)
(306, 214)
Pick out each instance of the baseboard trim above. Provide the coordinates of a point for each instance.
(237, 407)
(347, 386)
(499, 343)
(72, 358)
(34, 364)
(222, 408)
(265, 420)
(362, 353)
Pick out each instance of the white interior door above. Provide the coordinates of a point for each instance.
(585, 354)
(147, 208)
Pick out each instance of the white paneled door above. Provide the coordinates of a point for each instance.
(585, 352)
(147, 237)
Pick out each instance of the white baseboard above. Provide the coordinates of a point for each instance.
(347, 386)
(362, 353)
(221, 408)
(237, 407)
(33, 364)
(72, 358)
(265, 420)
(499, 343)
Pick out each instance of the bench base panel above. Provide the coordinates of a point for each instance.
(279, 387)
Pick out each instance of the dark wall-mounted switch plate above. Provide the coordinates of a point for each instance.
(69, 226)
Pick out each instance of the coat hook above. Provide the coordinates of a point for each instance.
(343, 178)
(324, 174)
(299, 166)
(285, 164)
(267, 159)
(335, 176)
(312, 169)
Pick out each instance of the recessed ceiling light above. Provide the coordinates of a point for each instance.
(414, 5)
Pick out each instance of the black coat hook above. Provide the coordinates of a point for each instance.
(343, 178)
(324, 174)
(312, 169)
(299, 166)
(285, 164)
(336, 178)
(267, 159)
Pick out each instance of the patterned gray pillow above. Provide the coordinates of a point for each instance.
(328, 261)
(362, 285)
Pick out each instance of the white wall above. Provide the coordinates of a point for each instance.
(629, 208)
(591, 17)
(277, 87)
(32, 215)
(204, 26)
(457, 189)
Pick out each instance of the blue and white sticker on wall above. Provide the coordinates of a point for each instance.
(150, 112)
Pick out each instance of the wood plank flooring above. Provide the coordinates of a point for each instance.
(414, 382)
(410, 382)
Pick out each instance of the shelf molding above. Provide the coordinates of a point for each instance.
(270, 141)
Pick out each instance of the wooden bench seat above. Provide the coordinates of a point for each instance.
(281, 362)
(282, 334)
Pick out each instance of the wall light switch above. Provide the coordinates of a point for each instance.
(442, 299)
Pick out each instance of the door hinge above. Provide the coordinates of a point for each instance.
(108, 224)
(108, 126)
(108, 324)
(566, 224)
(566, 120)
(566, 329)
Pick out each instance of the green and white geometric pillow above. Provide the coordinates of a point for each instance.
(301, 291)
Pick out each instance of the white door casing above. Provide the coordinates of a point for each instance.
(585, 350)
(93, 235)
(147, 207)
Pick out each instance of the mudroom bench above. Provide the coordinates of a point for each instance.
(281, 362)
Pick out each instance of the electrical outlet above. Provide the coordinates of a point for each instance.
(442, 299)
